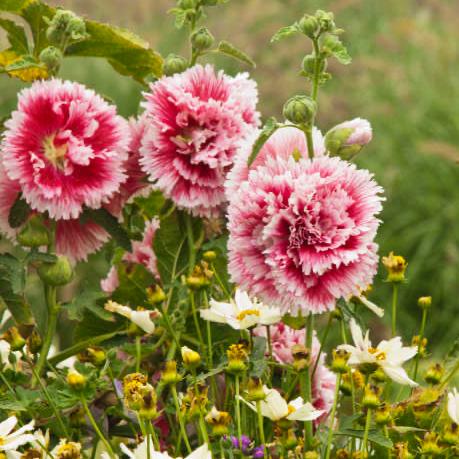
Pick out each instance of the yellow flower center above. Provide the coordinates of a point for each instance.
(2, 441)
(248, 312)
(378, 354)
(54, 154)
(291, 409)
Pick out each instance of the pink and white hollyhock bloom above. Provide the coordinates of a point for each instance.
(196, 121)
(283, 338)
(388, 355)
(301, 232)
(74, 239)
(65, 146)
(142, 253)
(275, 407)
(453, 405)
(136, 182)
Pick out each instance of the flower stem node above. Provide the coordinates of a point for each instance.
(301, 357)
(255, 390)
(15, 339)
(34, 233)
(76, 380)
(425, 302)
(174, 64)
(170, 376)
(371, 397)
(396, 266)
(300, 110)
(339, 362)
(52, 57)
(434, 374)
(309, 25)
(202, 39)
(58, 273)
(191, 359)
(65, 26)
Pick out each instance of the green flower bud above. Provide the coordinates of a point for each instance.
(425, 302)
(34, 233)
(174, 64)
(371, 397)
(93, 354)
(291, 442)
(15, 339)
(325, 20)
(300, 110)
(255, 390)
(309, 25)
(191, 359)
(301, 357)
(52, 58)
(339, 362)
(34, 342)
(202, 39)
(76, 380)
(170, 375)
(65, 26)
(311, 455)
(434, 374)
(383, 415)
(58, 273)
(156, 295)
(187, 4)
(309, 63)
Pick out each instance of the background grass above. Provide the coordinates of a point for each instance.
(404, 79)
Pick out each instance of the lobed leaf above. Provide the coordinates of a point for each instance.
(228, 49)
(270, 127)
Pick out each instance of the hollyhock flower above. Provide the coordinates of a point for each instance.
(136, 182)
(74, 239)
(276, 408)
(242, 313)
(10, 440)
(453, 405)
(348, 138)
(197, 120)
(283, 338)
(65, 146)
(387, 355)
(301, 231)
(142, 318)
(142, 253)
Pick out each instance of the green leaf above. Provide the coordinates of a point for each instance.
(295, 322)
(19, 212)
(228, 49)
(16, 36)
(285, 32)
(110, 224)
(13, 6)
(270, 127)
(125, 51)
(133, 282)
(36, 13)
(332, 45)
(92, 326)
(170, 250)
(87, 298)
(13, 271)
(375, 436)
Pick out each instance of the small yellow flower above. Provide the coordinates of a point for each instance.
(75, 379)
(191, 359)
(237, 358)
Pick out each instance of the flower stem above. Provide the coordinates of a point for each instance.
(315, 80)
(138, 354)
(210, 360)
(180, 419)
(307, 396)
(322, 343)
(53, 311)
(261, 429)
(268, 337)
(196, 320)
(366, 432)
(96, 427)
(309, 142)
(238, 409)
(394, 308)
(152, 432)
(450, 375)
(190, 239)
(332, 416)
(421, 337)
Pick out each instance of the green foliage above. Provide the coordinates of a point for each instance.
(270, 127)
(228, 49)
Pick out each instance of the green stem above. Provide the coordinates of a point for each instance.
(222, 286)
(96, 427)
(421, 337)
(332, 416)
(386, 434)
(270, 345)
(194, 312)
(222, 451)
(238, 409)
(152, 432)
(169, 327)
(307, 383)
(138, 354)
(261, 429)
(315, 81)
(210, 360)
(366, 432)
(309, 142)
(322, 344)
(394, 308)
(53, 311)
(450, 375)
(190, 239)
(180, 419)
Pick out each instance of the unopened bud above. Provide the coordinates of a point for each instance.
(347, 139)
(75, 379)
(65, 26)
(371, 397)
(156, 295)
(291, 441)
(311, 455)
(255, 390)
(325, 20)
(58, 273)
(300, 110)
(209, 255)
(93, 354)
(396, 266)
(202, 39)
(170, 374)
(301, 357)
(383, 415)
(379, 376)
(309, 64)
(434, 374)
(339, 362)
(430, 446)
(237, 357)
(52, 58)
(191, 359)
(309, 25)
(425, 302)
(34, 342)
(34, 233)
(219, 420)
(14, 338)
(174, 64)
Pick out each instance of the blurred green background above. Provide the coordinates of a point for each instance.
(404, 78)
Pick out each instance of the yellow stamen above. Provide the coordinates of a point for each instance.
(53, 153)
(248, 312)
(378, 354)
(291, 409)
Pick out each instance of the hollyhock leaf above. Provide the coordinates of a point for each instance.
(285, 32)
(134, 279)
(16, 36)
(229, 49)
(375, 436)
(18, 213)
(36, 13)
(295, 322)
(269, 128)
(333, 45)
(16, 304)
(27, 68)
(87, 298)
(14, 271)
(125, 51)
(92, 326)
(110, 224)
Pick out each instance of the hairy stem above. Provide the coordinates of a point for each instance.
(332, 416)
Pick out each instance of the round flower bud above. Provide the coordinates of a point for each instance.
(371, 398)
(58, 273)
(325, 20)
(64, 26)
(430, 446)
(237, 356)
(425, 302)
(434, 374)
(383, 415)
(291, 441)
(52, 58)
(93, 354)
(191, 359)
(210, 255)
(301, 357)
(396, 266)
(379, 376)
(309, 63)
(255, 390)
(187, 4)
(174, 64)
(202, 39)
(34, 233)
(170, 375)
(300, 110)
(34, 342)
(219, 420)
(75, 379)
(309, 25)
(339, 362)
(156, 295)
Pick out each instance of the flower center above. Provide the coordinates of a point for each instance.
(291, 409)
(53, 153)
(247, 312)
(2, 441)
(378, 354)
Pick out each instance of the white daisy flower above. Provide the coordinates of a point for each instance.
(10, 440)
(143, 318)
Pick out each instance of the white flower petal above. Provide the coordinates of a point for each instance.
(453, 405)
(143, 320)
(399, 375)
(200, 453)
(7, 426)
